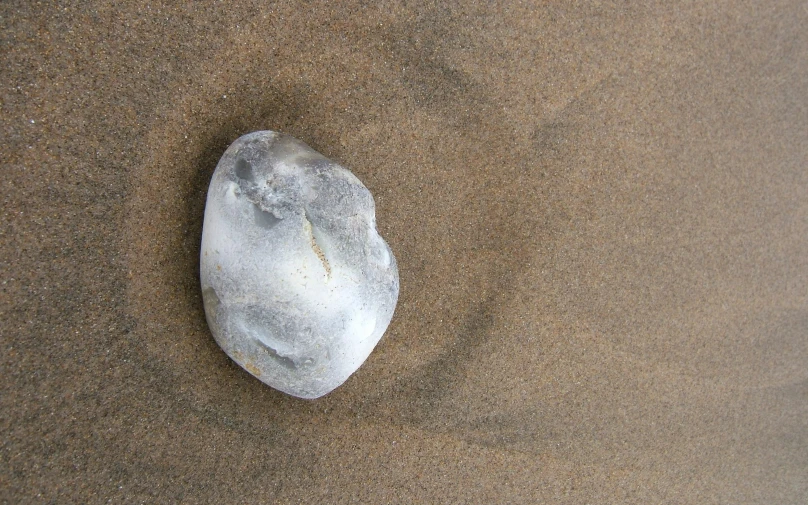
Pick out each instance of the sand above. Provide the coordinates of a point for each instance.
(598, 209)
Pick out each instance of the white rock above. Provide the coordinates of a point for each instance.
(297, 283)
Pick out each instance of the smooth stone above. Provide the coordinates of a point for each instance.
(298, 285)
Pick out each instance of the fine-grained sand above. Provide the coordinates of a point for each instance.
(600, 216)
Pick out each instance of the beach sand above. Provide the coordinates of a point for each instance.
(599, 212)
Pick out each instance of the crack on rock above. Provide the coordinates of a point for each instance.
(315, 246)
(285, 361)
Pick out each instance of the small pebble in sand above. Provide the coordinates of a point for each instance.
(297, 283)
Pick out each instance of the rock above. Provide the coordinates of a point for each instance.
(297, 283)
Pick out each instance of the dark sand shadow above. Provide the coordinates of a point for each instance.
(448, 168)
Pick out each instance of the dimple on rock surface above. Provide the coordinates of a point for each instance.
(298, 285)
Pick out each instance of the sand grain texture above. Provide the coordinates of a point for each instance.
(600, 217)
